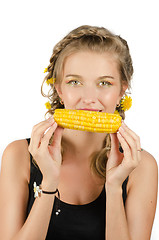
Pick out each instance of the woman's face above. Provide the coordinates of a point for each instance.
(90, 81)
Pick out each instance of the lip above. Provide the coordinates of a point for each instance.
(90, 109)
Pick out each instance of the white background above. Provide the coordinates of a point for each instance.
(30, 29)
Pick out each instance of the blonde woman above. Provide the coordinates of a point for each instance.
(71, 184)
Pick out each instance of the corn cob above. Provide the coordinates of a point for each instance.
(90, 121)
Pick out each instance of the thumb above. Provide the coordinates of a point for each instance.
(114, 142)
(55, 147)
(114, 157)
(56, 143)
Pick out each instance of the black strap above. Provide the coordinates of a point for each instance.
(28, 140)
(124, 188)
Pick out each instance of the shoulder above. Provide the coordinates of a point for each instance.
(14, 190)
(142, 196)
(147, 158)
(147, 168)
(16, 158)
(148, 164)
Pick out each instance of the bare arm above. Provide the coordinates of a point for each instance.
(116, 223)
(135, 221)
(14, 191)
(36, 225)
(14, 197)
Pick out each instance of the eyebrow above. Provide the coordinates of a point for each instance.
(78, 76)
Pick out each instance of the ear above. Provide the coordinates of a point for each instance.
(58, 89)
(124, 86)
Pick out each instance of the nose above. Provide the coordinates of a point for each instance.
(89, 96)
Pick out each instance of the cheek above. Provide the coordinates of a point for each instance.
(69, 94)
(110, 99)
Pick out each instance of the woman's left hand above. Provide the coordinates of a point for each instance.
(120, 165)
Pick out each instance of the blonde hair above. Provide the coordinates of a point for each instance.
(97, 39)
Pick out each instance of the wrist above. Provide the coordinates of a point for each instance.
(110, 188)
(38, 190)
(48, 186)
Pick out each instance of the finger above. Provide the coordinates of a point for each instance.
(133, 134)
(127, 160)
(42, 123)
(115, 145)
(38, 132)
(46, 138)
(136, 138)
(130, 141)
(55, 147)
(125, 146)
(114, 142)
(57, 137)
(115, 155)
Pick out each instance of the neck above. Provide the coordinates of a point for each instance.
(80, 145)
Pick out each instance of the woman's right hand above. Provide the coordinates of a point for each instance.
(48, 157)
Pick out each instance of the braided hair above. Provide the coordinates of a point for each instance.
(89, 38)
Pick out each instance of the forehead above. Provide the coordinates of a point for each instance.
(88, 63)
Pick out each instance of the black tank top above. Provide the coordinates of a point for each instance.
(75, 222)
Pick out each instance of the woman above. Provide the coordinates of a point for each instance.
(104, 191)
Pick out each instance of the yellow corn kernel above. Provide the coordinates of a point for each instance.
(90, 121)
